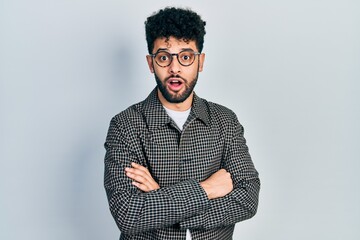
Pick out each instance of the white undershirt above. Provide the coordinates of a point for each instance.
(179, 118)
(188, 236)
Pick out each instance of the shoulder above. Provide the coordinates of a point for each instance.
(132, 117)
(220, 112)
(224, 120)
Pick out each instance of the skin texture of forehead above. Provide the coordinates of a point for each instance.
(172, 40)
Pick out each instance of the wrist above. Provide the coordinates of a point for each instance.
(206, 188)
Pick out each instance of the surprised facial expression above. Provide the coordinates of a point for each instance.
(175, 81)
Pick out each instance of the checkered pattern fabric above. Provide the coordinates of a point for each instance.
(212, 139)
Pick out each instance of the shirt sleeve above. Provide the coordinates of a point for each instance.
(242, 202)
(133, 210)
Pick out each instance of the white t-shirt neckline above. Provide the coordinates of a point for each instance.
(179, 117)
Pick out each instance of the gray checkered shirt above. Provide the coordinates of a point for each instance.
(212, 139)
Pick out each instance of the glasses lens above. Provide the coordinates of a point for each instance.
(163, 58)
(186, 58)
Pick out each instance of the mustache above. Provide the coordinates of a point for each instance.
(176, 76)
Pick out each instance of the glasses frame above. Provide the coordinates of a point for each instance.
(177, 56)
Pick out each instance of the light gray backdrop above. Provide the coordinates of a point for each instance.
(289, 69)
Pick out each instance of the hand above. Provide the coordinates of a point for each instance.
(142, 178)
(218, 185)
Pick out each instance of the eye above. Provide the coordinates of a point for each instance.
(186, 56)
(163, 57)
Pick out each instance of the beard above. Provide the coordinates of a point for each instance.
(177, 97)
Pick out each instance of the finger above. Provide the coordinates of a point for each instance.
(143, 183)
(141, 168)
(146, 187)
(139, 173)
(142, 187)
(148, 183)
(137, 178)
(142, 177)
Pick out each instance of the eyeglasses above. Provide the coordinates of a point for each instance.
(164, 58)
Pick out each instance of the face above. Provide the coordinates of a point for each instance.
(175, 82)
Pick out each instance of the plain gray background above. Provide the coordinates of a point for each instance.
(289, 69)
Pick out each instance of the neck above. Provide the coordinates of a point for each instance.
(183, 106)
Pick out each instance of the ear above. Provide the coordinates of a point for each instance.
(201, 61)
(149, 60)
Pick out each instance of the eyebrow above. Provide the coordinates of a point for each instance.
(167, 50)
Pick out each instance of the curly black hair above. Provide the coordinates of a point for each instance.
(180, 23)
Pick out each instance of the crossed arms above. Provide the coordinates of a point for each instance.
(217, 185)
(139, 204)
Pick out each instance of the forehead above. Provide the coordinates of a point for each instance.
(174, 44)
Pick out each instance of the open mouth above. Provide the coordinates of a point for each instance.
(175, 84)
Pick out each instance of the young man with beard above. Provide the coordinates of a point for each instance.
(177, 165)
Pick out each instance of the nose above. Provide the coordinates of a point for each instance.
(175, 66)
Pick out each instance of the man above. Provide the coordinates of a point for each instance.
(175, 163)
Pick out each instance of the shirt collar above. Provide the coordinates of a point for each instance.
(200, 109)
(156, 115)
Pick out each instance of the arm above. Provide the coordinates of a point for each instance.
(217, 185)
(142, 178)
(241, 203)
(133, 210)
